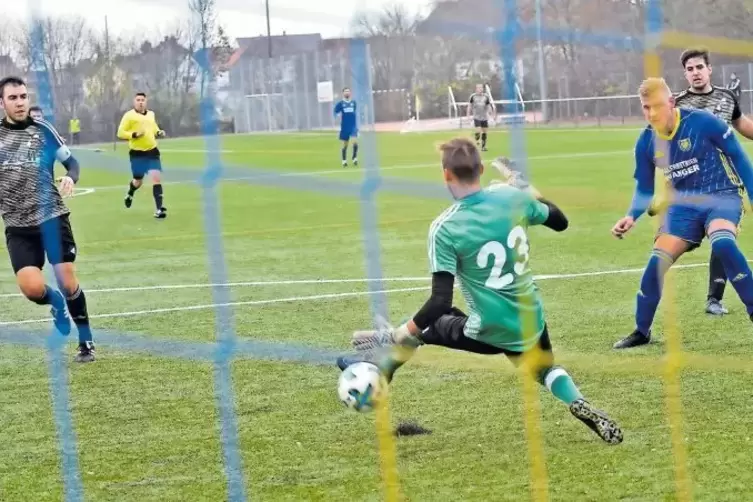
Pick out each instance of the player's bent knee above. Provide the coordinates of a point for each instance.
(31, 282)
(137, 181)
(671, 245)
(66, 277)
(721, 224)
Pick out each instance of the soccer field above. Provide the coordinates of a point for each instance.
(147, 425)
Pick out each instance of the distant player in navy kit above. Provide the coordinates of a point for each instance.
(707, 168)
(347, 109)
(724, 104)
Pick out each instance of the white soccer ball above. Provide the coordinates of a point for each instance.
(360, 386)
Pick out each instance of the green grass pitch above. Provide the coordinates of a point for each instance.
(147, 427)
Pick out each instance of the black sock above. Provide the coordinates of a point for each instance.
(132, 189)
(483, 139)
(345, 153)
(478, 135)
(80, 315)
(50, 297)
(717, 278)
(157, 192)
(355, 151)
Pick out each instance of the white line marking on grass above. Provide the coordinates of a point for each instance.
(288, 174)
(229, 304)
(328, 296)
(78, 192)
(241, 284)
(296, 282)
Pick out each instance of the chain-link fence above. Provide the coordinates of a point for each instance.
(299, 92)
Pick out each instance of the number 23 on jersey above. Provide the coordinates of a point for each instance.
(517, 242)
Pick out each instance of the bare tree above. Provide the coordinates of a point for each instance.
(8, 37)
(391, 36)
(205, 26)
(64, 42)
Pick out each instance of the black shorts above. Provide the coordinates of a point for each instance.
(143, 162)
(28, 246)
(447, 331)
(484, 124)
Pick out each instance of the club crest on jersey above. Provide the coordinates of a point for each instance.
(684, 144)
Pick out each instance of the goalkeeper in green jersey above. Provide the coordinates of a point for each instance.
(482, 240)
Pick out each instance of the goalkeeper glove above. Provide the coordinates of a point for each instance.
(385, 334)
(512, 176)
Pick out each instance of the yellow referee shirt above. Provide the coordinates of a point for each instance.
(143, 123)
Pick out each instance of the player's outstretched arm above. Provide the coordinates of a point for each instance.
(644, 186)
(438, 304)
(56, 145)
(556, 219)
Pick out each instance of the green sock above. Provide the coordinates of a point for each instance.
(561, 385)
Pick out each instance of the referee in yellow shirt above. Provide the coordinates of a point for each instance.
(139, 127)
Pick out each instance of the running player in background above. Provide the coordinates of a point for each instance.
(482, 240)
(139, 127)
(347, 109)
(702, 95)
(480, 106)
(706, 166)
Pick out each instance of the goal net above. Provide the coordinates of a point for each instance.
(507, 112)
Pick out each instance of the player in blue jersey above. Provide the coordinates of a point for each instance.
(347, 109)
(706, 169)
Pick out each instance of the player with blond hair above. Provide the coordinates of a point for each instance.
(723, 103)
(706, 170)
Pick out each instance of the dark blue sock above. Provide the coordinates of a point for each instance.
(649, 295)
(80, 314)
(345, 153)
(51, 297)
(724, 245)
(355, 150)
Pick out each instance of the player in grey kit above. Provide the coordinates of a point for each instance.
(480, 105)
(37, 221)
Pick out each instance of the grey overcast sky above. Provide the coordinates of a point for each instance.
(242, 18)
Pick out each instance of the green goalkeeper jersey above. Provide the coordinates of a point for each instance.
(482, 241)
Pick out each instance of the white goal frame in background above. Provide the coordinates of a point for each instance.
(457, 113)
(458, 110)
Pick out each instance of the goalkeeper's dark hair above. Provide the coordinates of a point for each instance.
(462, 158)
(695, 52)
(8, 81)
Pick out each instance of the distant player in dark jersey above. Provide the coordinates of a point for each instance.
(707, 168)
(35, 112)
(480, 107)
(723, 103)
(348, 111)
(735, 85)
(36, 219)
(482, 240)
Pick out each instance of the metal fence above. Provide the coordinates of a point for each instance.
(299, 92)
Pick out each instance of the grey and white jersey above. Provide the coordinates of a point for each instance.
(28, 151)
(719, 101)
(480, 104)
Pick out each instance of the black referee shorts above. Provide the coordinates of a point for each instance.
(28, 246)
(447, 331)
(484, 124)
